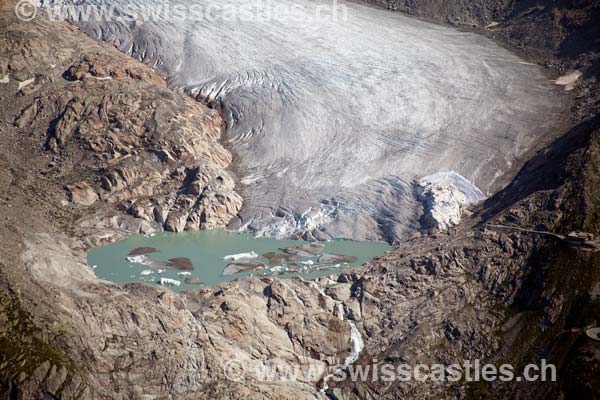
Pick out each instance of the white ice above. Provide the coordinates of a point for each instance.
(169, 282)
(241, 256)
(342, 117)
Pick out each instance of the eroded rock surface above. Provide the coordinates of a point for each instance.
(119, 138)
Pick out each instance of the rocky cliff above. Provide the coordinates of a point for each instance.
(95, 137)
(111, 134)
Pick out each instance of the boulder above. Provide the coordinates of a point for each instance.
(82, 194)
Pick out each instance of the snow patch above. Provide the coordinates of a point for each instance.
(445, 196)
(6, 79)
(356, 345)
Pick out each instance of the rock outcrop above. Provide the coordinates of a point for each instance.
(116, 134)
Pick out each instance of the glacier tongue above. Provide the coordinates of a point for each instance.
(340, 116)
(445, 196)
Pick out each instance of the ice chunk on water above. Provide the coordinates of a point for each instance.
(169, 282)
(241, 256)
(140, 259)
(146, 272)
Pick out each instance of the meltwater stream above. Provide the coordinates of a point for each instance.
(333, 119)
(194, 259)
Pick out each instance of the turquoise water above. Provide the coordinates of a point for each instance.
(206, 251)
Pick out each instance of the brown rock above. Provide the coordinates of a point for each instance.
(82, 194)
(193, 281)
(176, 221)
(27, 115)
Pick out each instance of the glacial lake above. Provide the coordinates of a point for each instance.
(171, 259)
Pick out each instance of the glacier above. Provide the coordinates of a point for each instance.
(333, 122)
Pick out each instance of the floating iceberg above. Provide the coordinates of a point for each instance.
(146, 272)
(169, 282)
(240, 256)
(139, 259)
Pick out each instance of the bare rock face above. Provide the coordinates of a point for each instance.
(101, 66)
(133, 145)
